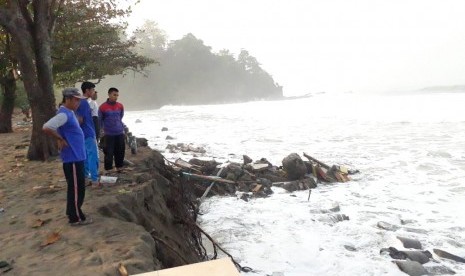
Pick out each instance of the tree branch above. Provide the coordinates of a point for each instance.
(26, 15)
(55, 8)
(6, 19)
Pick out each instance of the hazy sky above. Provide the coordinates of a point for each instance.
(329, 45)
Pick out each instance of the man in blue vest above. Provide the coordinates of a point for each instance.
(84, 115)
(64, 127)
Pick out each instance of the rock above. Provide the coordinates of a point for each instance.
(415, 230)
(417, 256)
(410, 243)
(246, 159)
(169, 137)
(413, 255)
(297, 185)
(335, 208)
(164, 129)
(294, 166)
(172, 148)
(447, 255)
(350, 247)
(339, 217)
(207, 166)
(439, 270)
(387, 226)
(142, 142)
(411, 268)
(138, 121)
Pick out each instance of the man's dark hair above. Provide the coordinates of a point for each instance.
(87, 85)
(112, 89)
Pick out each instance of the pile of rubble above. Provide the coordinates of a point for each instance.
(255, 179)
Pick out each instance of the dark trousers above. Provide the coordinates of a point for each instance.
(75, 177)
(114, 147)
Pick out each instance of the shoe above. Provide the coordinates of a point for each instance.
(96, 184)
(109, 172)
(82, 222)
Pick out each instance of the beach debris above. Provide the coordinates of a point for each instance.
(211, 185)
(109, 180)
(206, 177)
(328, 173)
(51, 239)
(122, 270)
(447, 255)
(254, 178)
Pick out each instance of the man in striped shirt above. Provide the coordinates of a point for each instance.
(111, 114)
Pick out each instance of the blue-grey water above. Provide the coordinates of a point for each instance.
(409, 148)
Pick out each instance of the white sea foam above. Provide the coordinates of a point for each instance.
(410, 150)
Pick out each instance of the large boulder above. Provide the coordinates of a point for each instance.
(294, 166)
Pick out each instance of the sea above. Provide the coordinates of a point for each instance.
(408, 147)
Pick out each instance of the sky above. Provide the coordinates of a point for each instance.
(311, 46)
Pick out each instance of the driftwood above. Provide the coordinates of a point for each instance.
(316, 161)
(207, 177)
(211, 185)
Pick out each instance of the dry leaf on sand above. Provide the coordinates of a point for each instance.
(38, 223)
(52, 238)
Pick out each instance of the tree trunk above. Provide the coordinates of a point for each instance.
(8, 85)
(42, 101)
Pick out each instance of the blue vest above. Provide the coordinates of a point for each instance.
(72, 133)
(87, 125)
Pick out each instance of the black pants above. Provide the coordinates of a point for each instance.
(114, 147)
(75, 177)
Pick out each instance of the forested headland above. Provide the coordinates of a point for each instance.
(188, 72)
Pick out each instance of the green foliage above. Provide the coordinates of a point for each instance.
(90, 42)
(190, 73)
